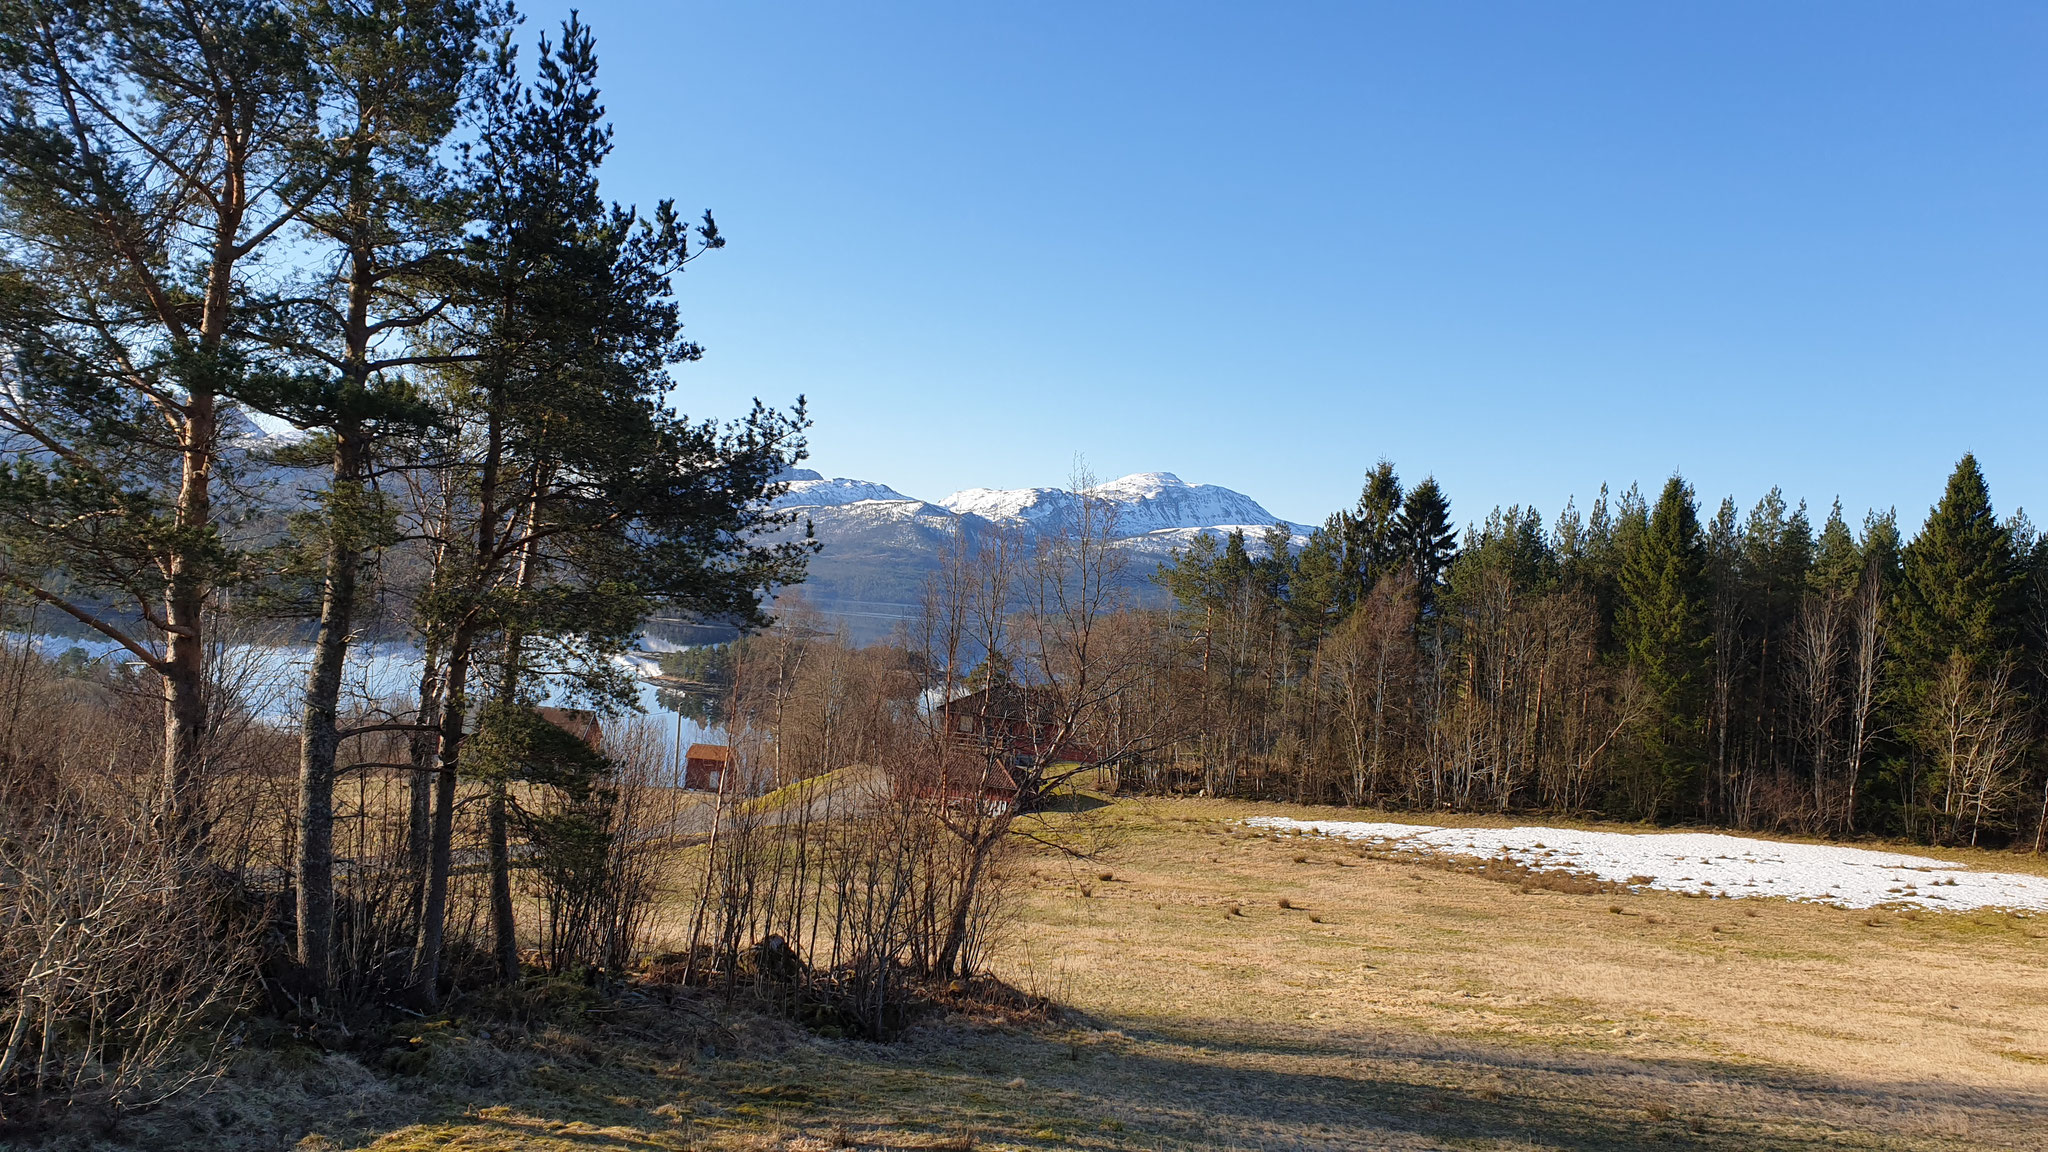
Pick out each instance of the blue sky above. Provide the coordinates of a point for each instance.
(1527, 248)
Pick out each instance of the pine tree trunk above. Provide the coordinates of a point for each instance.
(504, 921)
(185, 656)
(441, 850)
(319, 737)
(419, 834)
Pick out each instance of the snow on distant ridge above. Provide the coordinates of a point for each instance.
(1146, 502)
(1712, 864)
(1162, 541)
(807, 489)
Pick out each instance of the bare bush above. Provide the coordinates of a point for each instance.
(121, 966)
(599, 856)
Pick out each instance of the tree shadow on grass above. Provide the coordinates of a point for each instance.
(1199, 1090)
(1071, 802)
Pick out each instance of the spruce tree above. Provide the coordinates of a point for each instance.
(1426, 540)
(1959, 612)
(1370, 533)
(1837, 561)
(1961, 587)
(1661, 622)
(1880, 547)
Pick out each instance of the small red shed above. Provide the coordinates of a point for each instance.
(704, 766)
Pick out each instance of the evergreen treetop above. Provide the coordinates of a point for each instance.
(1961, 586)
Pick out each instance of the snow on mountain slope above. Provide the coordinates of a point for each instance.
(880, 523)
(1162, 543)
(1145, 502)
(809, 489)
(878, 546)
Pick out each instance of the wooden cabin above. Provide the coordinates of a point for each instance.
(704, 766)
(1020, 725)
(990, 788)
(581, 723)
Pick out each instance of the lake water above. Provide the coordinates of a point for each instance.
(272, 678)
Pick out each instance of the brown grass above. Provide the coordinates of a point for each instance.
(1420, 1008)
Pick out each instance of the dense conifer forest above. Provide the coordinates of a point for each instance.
(1645, 660)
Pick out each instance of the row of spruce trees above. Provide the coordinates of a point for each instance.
(1642, 659)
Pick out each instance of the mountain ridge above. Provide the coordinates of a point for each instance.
(878, 545)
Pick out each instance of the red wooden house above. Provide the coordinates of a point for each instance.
(1011, 732)
(1021, 725)
(991, 787)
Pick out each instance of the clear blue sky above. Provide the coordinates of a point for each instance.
(1526, 247)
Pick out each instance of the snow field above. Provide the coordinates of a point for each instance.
(1711, 864)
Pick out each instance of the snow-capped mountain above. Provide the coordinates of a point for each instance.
(879, 544)
(1145, 502)
(808, 489)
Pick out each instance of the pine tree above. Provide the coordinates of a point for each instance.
(1776, 553)
(591, 502)
(1661, 621)
(1235, 569)
(1276, 567)
(1316, 586)
(395, 71)
(152, 154)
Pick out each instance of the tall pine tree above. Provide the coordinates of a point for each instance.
(153, 155)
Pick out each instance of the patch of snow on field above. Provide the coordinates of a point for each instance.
(1711, 864)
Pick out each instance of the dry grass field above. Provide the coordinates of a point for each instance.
(1232, 989)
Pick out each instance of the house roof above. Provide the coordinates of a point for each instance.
(718, 752)
(581, 723)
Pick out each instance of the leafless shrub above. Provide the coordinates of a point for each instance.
(599, 856)
(120, 967)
